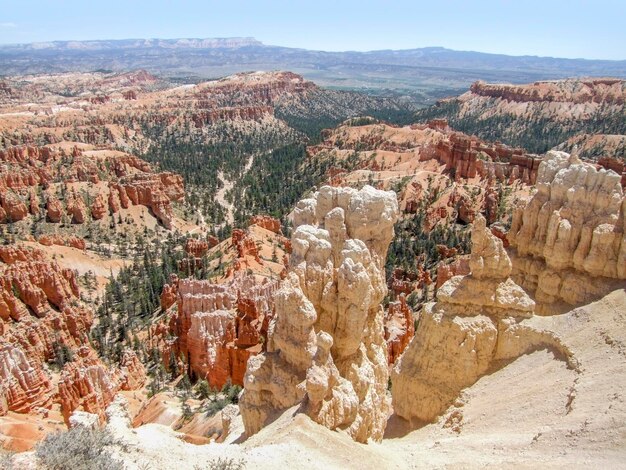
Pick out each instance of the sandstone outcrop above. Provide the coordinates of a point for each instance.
(267, 222)
(597, 90)
(86, 384)
(169, 293)
(76, 208)
(244, 244)
(569, 241)
(54, 209)
(39, 311)
(13, 208)
(615, 164)
(326, 347)
(23, 383)
(217, 327)
(475, 326)
(99, 208)
(459, 267)
(196, 248)
(53, 239)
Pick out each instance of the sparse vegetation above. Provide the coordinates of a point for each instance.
(79, 448)
(223, 463)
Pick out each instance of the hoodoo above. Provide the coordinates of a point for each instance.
(326, 348)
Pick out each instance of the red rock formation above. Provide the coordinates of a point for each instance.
(77, 243)
(459, 267)
(245, 245)
(87, 385)
(169, 293)
(467, 209)
(212, 241)
(133, 372)
(49, 240)
(13, 207)
(266, 222)
(99, 207)
(458, 154)
(399, 328)
(76, 208)
(114, 201)
(28, 167)
(153, 191)
(491, 205)
(616, 165)
(33, 202)
(402, 282)
(23, 384)
(499, 231)
(217, 326)
(446, 252)
(423, 277)
(74, 242)
(10, 254)
(196, 248)
(41, 313)
(54, 210)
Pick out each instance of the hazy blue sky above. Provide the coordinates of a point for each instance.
(561, 28)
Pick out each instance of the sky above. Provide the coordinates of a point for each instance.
(557, 28)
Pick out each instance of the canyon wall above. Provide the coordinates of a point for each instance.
(596, 90)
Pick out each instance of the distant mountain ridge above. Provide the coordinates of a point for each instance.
(107, 44)
(425, 73)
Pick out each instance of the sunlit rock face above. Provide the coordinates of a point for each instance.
(569, 241)
(326, 345)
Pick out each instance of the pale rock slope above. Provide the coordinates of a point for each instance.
(326, 347)
(474, 327)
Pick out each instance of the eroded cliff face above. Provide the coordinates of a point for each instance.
(474, 327)
(569, 241)
(216, 327)
(28, 170)
(326, 344)
(42, 319)
(598, 90)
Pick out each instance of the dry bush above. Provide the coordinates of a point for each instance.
(79, 448)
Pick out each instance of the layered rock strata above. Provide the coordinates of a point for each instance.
(326, 345)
